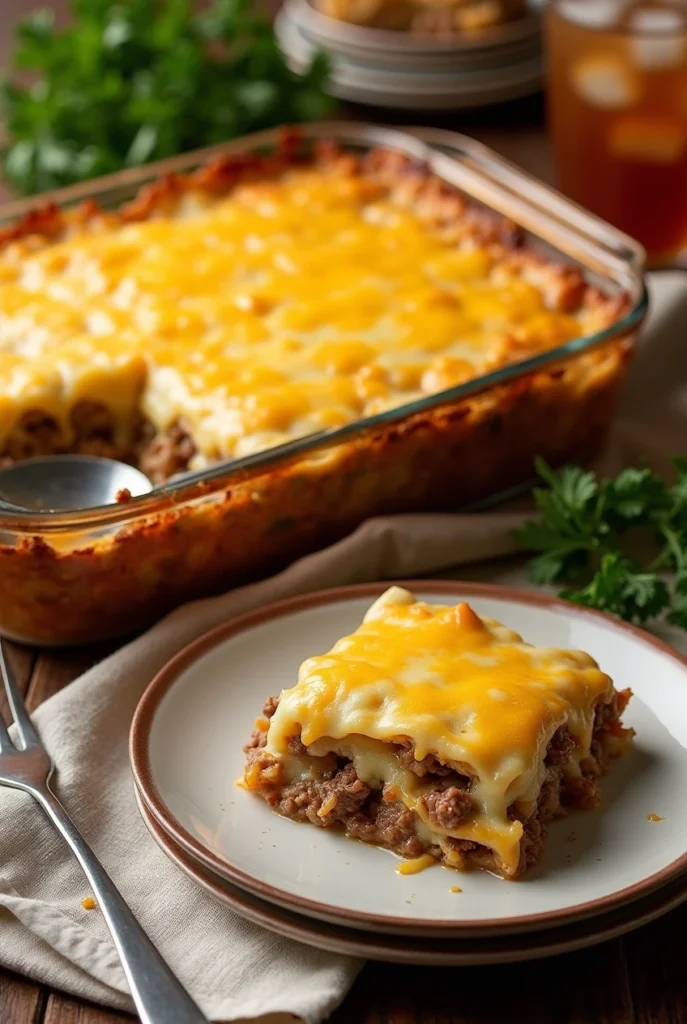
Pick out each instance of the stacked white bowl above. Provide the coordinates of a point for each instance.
(410, 71)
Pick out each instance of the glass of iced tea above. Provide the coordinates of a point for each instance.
(618, 114)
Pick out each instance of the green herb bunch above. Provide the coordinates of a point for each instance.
(139, 80)
(619, 544)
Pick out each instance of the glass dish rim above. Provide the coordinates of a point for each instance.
(209, 482)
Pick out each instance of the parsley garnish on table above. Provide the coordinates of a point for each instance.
(130, 82)
(618, 545)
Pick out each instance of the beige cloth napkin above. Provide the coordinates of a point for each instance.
(235, 970)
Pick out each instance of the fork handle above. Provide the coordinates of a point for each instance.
(158, 995)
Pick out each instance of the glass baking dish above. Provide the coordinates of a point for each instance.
(80, 576)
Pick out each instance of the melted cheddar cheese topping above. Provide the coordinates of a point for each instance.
(285, 307)
(463, 688)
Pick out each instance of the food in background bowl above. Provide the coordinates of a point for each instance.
(425, 16)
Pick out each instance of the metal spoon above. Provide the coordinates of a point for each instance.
(61, 483)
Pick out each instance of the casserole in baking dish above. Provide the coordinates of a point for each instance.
(317, 295)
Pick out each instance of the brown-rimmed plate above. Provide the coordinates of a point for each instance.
(192, 721)
(408, 949)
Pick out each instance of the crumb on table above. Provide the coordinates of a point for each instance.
(89, 903)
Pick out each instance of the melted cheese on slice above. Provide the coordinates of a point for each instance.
(463, 688)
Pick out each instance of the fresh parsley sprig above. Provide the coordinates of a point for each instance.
(620, 544)
(138, 80)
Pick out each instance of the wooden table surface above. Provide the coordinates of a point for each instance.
(638, 979)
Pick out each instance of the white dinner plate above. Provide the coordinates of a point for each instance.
(415, 949)
(193, 720)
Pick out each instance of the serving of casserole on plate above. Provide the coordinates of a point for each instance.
(519, 751)
(440, 735)
(260, 299)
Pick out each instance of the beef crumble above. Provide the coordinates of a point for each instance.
(161, 455)
(448, 807)
(335, 796)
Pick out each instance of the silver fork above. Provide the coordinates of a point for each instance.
(159, 997)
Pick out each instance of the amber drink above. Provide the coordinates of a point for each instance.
(618, 115)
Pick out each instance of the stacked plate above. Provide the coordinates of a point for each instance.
(414, 72)
(603, 874)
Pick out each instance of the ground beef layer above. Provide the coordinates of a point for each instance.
(92, 431)
(338, 799)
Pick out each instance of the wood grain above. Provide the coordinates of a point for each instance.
(641, 979)
(657, 970)
(537, 993)
(21, 1002)
(64, 1010)
(53, 671)
(21, 661)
